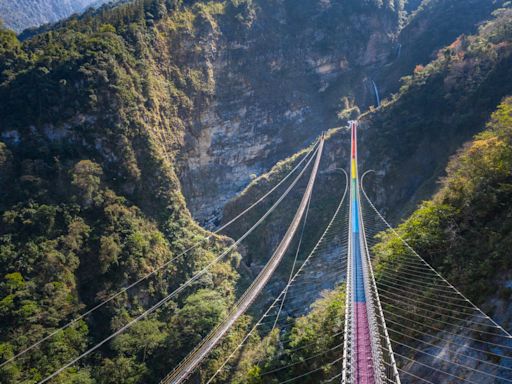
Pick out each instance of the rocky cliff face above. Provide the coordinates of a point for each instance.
(283, 74)
(279, 78)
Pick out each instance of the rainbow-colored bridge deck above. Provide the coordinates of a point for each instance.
(363, 359)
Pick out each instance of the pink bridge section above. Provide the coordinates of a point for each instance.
(364, 361)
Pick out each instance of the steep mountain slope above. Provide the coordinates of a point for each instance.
(21, 14)
(91, 203)
(447, 20)
(430, 27)
(409, 140)
(278, 79)
(438, 28)
(465, 230)
(266, 74)
(433, 25)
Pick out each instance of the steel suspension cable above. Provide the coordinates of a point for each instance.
(417, 293)
(402, 297)
(444, 347)
(166, 299)
(451, 362)
(406, 280)
(436, 369)
(488, 352)
(188, 365)
(294, 264)
(299, 271)
(447, 332)
(444, 322)
(426, 263)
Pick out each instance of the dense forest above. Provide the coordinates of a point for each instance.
(92, 205)
(430, 26)
(465, 229)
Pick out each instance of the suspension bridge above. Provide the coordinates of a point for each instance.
(402, 321)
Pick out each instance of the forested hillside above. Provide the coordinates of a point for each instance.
(261, 69)
(465, 230)
(439, 107)
(432, 25)
(21, 14)
(91, 203)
